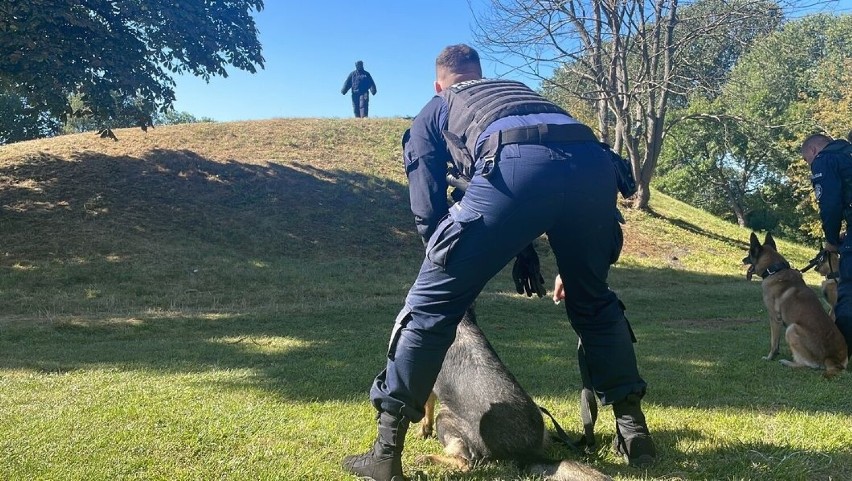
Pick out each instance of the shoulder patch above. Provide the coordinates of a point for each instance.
(818, 191)
(816, 176)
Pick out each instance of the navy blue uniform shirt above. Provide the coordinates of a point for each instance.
(828, 171)
(426, 158)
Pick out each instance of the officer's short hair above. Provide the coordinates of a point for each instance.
(459, 58)
(814, 139)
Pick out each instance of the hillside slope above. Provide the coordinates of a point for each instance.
(87, 213)
(213, 301)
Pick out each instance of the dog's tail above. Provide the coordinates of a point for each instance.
(566, 470)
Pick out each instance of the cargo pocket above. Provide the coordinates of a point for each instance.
(398, 324)
(448, 233)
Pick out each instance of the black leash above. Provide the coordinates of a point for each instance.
(820, 257)
(561, 435)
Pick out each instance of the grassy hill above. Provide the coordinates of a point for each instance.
(212, 300)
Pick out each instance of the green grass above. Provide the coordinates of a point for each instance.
(212, 302)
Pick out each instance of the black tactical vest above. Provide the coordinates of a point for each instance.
(360, 81)
(475, 104)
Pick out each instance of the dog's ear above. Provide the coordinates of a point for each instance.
(753, 250)
(754, 241)
(769, 241)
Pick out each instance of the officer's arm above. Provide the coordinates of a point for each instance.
(372, 84)
(426, 156)
(829, 194)
(346, 85)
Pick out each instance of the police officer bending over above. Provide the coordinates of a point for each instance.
(831, 169)
(532, 169)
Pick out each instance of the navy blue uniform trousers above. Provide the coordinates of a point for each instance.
(567, 191)
(843, 309)
(361, 104)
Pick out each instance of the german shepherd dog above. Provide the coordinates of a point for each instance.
(811, 334)
(486, 415)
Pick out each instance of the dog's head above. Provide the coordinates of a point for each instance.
(761, 256)
(828, 263)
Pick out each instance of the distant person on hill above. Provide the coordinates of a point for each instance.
(831, 168)
(362, 85)
(531, 169)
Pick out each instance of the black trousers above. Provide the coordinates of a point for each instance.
(361, 104)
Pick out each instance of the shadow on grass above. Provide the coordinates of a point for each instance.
(332, 352)
(685, 454)
(690, 227)
(700, 336)
(96, 204)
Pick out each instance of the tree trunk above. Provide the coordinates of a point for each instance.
(643, 195)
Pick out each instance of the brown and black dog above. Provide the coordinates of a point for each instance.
(486, 415)
(828, 265)
(794, 307)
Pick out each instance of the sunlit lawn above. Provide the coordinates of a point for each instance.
(223, 319)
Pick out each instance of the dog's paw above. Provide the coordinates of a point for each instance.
(425, 431)
(770, 356)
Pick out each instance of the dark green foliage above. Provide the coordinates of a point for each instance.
(19, 121)
(130, 49)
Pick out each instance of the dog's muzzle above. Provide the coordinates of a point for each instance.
(750, 272)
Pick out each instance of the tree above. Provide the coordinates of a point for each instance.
(20, 121)
(726, 166)
(793, 83)
(629, 57)
(126, 114)
(106, 50)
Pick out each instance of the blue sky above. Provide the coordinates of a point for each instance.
(311, 47)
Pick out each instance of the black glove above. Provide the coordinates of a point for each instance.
(527, 273)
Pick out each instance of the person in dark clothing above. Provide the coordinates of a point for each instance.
(831, 168)
(362, 85)
(531, 169)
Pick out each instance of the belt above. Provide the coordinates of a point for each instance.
(545, 133)
(533, 134)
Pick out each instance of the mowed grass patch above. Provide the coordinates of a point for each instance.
(213, 301)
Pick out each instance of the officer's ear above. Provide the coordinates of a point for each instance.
(438, 87)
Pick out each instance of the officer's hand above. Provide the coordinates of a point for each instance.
(526, 272)
(558, 290)
(829, 247)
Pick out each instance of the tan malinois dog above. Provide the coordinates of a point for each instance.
(811, 334)
(827, 264)
(829, 267)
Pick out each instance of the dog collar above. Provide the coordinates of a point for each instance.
(775, 268)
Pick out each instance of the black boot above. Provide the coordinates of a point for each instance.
(632, 439)
(384, 461)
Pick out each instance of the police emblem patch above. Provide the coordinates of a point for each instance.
(818, 191)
